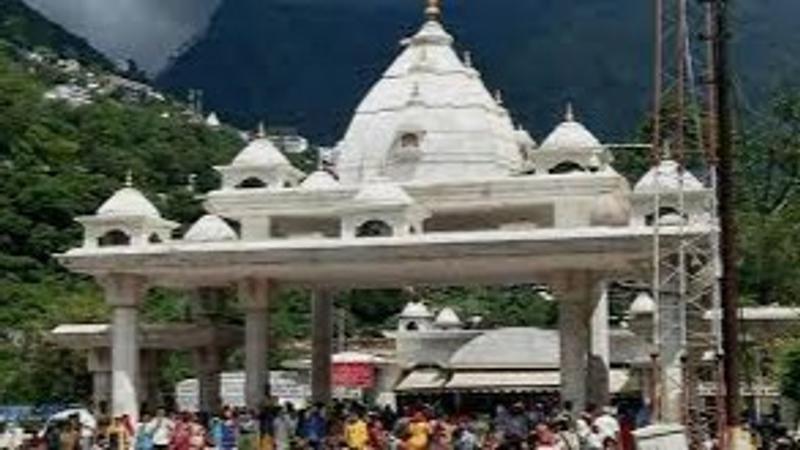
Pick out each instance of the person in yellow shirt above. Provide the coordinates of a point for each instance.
(118, 436)
(356, 434)
(419, 432)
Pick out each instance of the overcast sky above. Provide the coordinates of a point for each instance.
(148, 31)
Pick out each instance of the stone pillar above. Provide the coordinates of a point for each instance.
(256, 228)
(575, 291)
(255, 298)
(600, 359)
(208, 367)
(670, 357)
(322, 345)
(123, 294)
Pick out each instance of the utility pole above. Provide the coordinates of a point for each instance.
(725, 198)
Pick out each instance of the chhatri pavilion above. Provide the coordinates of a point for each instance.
(432, 184)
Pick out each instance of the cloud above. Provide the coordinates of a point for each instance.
(147, 31)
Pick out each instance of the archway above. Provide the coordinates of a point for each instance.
(566, 167)
(374, 228)
(252, 183)
(114, 238)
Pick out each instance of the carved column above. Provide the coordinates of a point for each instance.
(255, 294)
(600, 356)
(322, 345)
(576, 292)
(124, 294)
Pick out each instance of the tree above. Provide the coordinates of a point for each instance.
(789, 371)
(769, 202)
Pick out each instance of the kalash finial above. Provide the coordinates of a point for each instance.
(433, 11)
(569, 115)
(498, 97)
(129, 178)
(262, 132)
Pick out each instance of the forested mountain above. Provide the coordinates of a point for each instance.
(26, 28)
(307, 62)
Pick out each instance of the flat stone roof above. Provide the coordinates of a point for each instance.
(173, 336)
(494, 257)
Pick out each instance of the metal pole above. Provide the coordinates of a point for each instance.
(658, 48)
(726, 198)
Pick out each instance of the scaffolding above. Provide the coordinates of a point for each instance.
(686, 271)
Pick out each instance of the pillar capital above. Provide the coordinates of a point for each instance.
(123, 290)
(254, 293)
(575, 283)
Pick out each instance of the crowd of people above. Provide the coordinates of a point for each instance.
(352, 426)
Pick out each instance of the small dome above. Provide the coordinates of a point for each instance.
(128, 201)
(666, 178)
(571, 135)
(212, 120)
(416, 310)
(610, 210)
(447, 318)
(382, 192)
(524, 138)
(210, 228)
(320, 180)
(642, 305)
(260, 152)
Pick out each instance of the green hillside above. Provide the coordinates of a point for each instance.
(58, 162)
(26, 28)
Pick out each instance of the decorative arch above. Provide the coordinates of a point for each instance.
(412, 326)
(566, 167)
(374, 228)
(154, 239)
(252, 183)
(114, 238)
(409, 140)
(663, 212)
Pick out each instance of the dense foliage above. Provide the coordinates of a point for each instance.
(56, 163)
(26, 28)
(789, 370)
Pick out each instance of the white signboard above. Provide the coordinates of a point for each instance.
(661, 437)
(285, 386)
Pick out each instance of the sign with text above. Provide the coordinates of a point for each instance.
(353, 375)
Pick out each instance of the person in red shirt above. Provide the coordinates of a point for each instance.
(181, 435)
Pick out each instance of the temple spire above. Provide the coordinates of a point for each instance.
(569, 115)
(433, 11)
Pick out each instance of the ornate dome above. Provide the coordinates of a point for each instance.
(416, 310)
(260, 152)
(517, 348)
(127, 202)
(461, 131)
(383, 193)
(666, 177)
(210, 228)
(611, 210)
(447, 318)
(571, 135)
(319, 181)
(642, 305)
